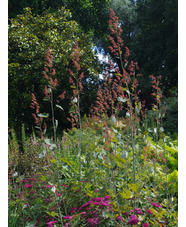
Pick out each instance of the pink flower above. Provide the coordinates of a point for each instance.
(51, 223)
(65, 185)
(49, 186)
(68, 217)
(145, 224)
(149, 211)
(107, 197)
(126, 213)
(24, 180)
(120, 218)
(156, 205)
(28, 185)
(133, 220)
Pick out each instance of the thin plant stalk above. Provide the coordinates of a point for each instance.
(131, 122)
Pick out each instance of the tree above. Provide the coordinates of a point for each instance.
(29, 38)
(156, 40)
(92, 15)
(150, 32)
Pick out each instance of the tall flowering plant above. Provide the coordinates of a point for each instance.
(75, 81)
(120, 84)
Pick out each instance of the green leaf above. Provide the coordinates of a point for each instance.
(49, 142)
(53, 161)
(43, 115)
(134, 187)
(120, 99)
(52, 213)
(30, 224)
(114, 139)
(126, 194)
(60, 107)
(46, 99)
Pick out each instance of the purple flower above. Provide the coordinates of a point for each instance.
(65, 185)
(24, 180)
(137, 210)
(48, 200)
(145, 224)
(156, 205)
(97, 203)
(99, 199)
(68, 217)
(84, 205)
(93, 221)
(149, 211)
(105, 204)
(126, 213)
(51, 223)
(133, 220)
(120, 218)
(28, 185)
(49, 186)
(73, 210)
(107, 197)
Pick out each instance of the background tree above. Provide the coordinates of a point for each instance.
(92, 15)
(29, 38)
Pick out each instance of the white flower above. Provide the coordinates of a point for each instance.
(127, 114)
(113, 118)
(74, 100)
(15, 174)
(53, 189)
(42, 155)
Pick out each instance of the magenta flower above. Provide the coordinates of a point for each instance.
(145, 224)
(84, 205)
(120, 218)
(149, 211)
(51, 223)
(93, 221)
(48, 200)
(107, 197)
(137, 210)
(49, 186)
(73, 210)
(28, 185)
(65, 185)
(126, 213)
(156, 205)
(24, 180)
(68, 217)
(133, 220)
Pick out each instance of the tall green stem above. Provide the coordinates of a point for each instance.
(80, 136)
(131, 124)
(55, 141)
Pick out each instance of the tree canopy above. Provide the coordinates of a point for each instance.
(29, 37)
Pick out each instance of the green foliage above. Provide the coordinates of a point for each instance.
(86, 12)
(107, 171)
(29, 37)
(171, 118)
(104, 172)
